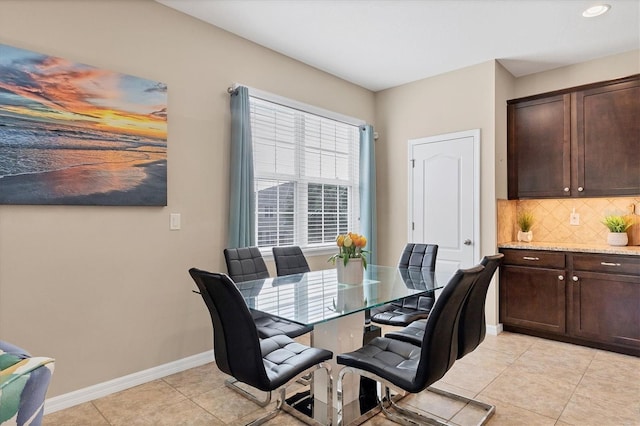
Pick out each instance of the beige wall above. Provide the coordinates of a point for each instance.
(460, 100)
(105, 290)
(607, 68)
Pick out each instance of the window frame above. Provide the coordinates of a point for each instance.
(318, 249)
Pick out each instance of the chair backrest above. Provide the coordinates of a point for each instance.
(417, 279)
(472, 320)
(414, 259)
(235, 338)
(290, 260)
(419, 256)
(440, 340)
(245, 264)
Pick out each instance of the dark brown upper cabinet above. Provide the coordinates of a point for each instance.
(578, 142)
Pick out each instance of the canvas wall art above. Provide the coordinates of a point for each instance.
(74, 134)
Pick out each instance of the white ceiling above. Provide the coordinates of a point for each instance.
(385, 43)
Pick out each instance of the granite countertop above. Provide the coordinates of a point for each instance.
(583, 248)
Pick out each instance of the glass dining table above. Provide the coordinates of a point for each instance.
(339, 314)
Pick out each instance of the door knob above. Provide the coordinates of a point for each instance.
(467, 242)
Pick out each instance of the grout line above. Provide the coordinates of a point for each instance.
(101, 413)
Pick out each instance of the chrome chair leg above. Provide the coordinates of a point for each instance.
(231, 384)
(405, 417)
(408, 417)
(490, 409)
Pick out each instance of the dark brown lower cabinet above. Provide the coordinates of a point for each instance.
(533, 298)
(594, 301)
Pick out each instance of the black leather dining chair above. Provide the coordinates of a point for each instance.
(266, 364)
(472, 328)
(411, 368)
(416, 262)
(472, 322)
(290, 260)
(247, 264)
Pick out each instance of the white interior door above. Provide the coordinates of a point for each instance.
(444, 184)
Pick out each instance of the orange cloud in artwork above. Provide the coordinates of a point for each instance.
(50, 89)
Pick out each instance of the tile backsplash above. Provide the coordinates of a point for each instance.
(552, 218)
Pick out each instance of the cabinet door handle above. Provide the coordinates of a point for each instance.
(580, 189)
(566, 189)
(575, 278)
(530, 258)
(560, 277)
(610, 264)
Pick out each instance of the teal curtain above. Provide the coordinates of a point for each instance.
(241, 188)
(368, 215)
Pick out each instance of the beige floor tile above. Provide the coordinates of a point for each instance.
(472, 377)
(510, 343)
(532, 381)
(228, 406)
(584, 411)
(80, 415)
(541, 394)
(484, 355)
(138, 401)
(618, 367)
(562, 348)
(433, 403)
(198, 380)
(608, 390)
(184, 413)
(562, 362)
(508, 415)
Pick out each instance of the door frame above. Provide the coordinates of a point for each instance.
(475, 134)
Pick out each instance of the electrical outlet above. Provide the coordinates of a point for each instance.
(574, 219)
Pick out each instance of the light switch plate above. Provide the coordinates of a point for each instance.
(174, 222)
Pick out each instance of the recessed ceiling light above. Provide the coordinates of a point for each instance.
(597, 10)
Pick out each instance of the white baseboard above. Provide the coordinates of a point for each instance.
(494, 330)
(90, 393)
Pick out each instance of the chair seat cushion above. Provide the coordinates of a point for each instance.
(269, 326)
(391, 314)
(413, 333)
(285, 358)
(392, 360)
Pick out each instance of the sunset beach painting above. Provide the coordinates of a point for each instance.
(73, 134)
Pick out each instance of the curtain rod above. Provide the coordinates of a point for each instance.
(291, 103)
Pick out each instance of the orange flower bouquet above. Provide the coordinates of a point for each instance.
(350, 246)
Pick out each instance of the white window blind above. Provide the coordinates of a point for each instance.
(306, 176)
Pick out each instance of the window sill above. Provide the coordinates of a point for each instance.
(267, 254)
